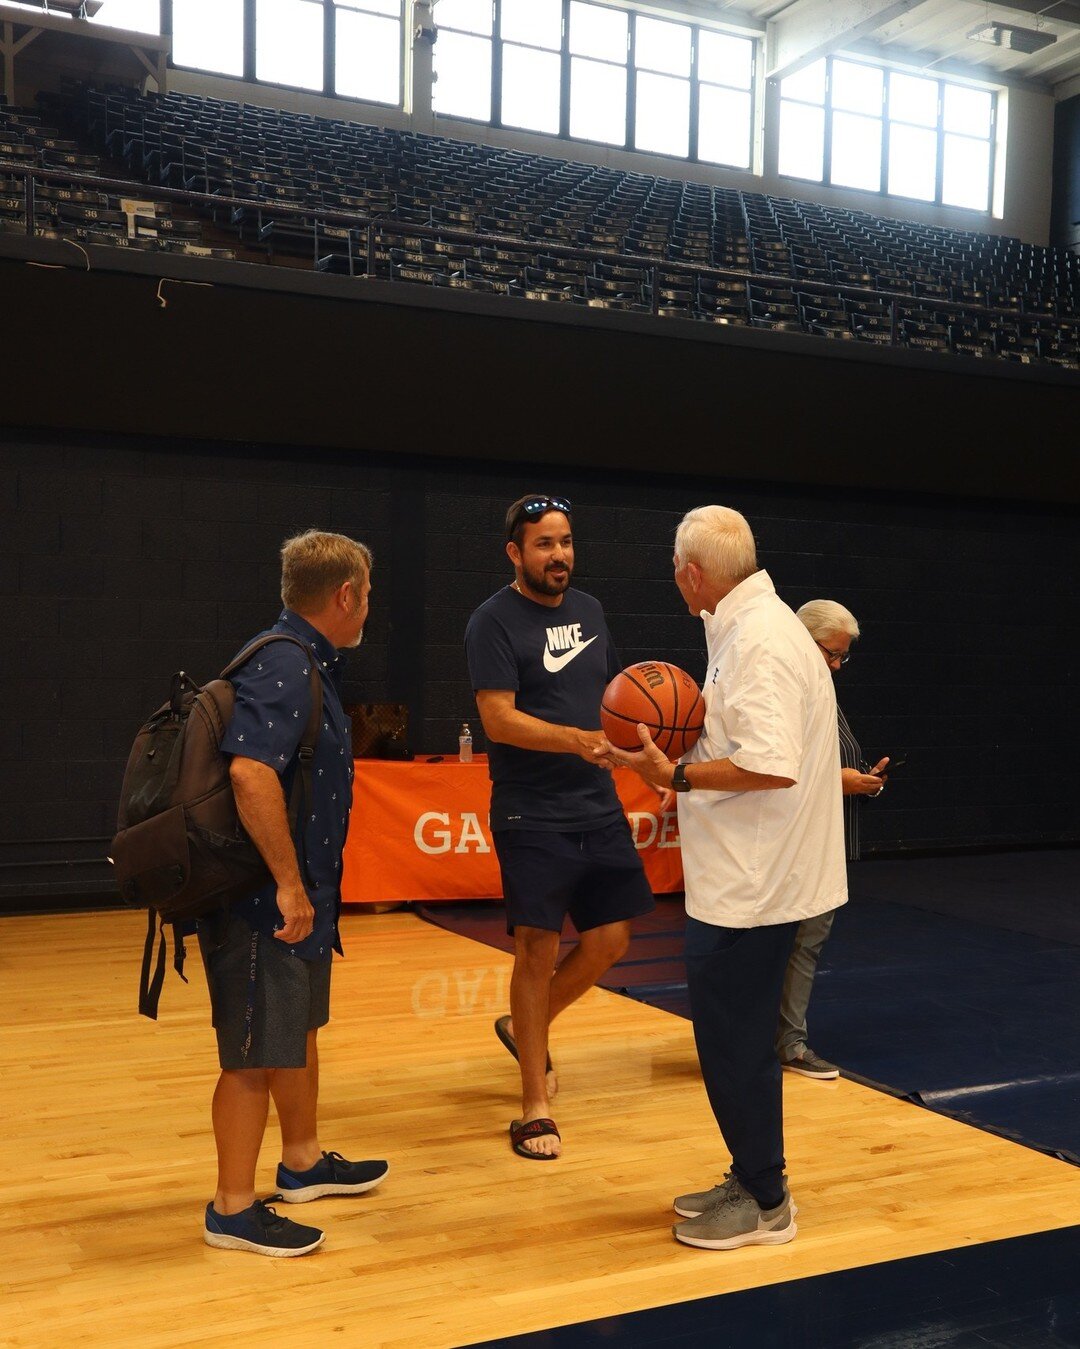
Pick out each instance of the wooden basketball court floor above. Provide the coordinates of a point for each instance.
(108, 1160)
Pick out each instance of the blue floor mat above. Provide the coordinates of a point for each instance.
(1031, 891)
(975, 1021)
(972, 1021)
(1015, 1294)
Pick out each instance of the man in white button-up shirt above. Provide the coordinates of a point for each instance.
(763, 847)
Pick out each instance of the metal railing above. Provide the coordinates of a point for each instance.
(381, 228)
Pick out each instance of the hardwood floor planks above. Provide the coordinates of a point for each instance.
(108, 1159)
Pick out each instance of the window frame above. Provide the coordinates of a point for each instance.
(751, 93)
(634, 72)
(887, 123)
(102, 24)
(330, 8)
(499, 44)
(629, 142)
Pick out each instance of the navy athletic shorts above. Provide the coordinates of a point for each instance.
(594, 875)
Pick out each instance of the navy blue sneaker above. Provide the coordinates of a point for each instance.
(332, 1175)
(259, 1229)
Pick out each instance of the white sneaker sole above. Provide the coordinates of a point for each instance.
(310, 1192)
(226, 1243)
(766, 1238)
(807, 1072)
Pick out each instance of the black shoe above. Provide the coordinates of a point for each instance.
(331, 1175)
(260, 1230)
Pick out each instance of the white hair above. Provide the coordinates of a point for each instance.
(719, 540)
(822, 618)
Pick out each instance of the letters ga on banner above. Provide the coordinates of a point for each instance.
(420, 831)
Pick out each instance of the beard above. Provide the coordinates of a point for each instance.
(551, 579)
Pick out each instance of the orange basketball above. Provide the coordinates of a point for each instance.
(662, 696)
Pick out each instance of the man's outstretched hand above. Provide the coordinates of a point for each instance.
(649, 763)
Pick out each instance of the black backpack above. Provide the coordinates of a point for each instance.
(180, 850)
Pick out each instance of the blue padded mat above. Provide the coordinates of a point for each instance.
(1035, 891)
(977, 1021)
(1015, 1294)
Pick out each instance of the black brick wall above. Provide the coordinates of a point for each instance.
(121, 563)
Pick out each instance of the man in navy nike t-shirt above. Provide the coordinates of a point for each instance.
(540, 657)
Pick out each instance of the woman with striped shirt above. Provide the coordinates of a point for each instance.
(833, 628)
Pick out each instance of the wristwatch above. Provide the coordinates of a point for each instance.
(679, 782)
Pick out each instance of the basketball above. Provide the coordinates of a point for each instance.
(662, 696)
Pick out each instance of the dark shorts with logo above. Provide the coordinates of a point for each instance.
(594, 875)
(264, 999)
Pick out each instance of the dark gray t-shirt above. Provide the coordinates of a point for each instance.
(557, 661)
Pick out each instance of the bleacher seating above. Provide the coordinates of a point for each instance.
(500, 221)
(83, 214)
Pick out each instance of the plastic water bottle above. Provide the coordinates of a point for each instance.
(465, 743)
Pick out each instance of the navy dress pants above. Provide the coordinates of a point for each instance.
(735, 978)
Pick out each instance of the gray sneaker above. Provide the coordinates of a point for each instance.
(810, 1065)
(738, 1220)
(694, 1205)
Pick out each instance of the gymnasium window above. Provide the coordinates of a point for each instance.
(725, 72)
(663, 55)
(913, 116)
(463, 63)
(531, 50)
(368, 50)
(137, 16)
(852, 124)
(597, 73)
(599, 40)
(348, 47)
(209, 35)
(289, 42)
(967, 129)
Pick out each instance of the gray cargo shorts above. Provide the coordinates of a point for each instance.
(263, 997)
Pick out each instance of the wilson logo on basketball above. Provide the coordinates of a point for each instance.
(661, 696)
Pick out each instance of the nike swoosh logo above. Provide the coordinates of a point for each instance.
(553, 664)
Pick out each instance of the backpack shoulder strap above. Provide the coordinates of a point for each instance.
(150, 985)
(311, 730)
(257, 645)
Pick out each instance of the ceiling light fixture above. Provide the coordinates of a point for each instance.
(1009, 36)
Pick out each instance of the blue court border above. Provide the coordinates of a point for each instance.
(1019, 1293)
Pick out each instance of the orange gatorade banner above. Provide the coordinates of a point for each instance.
(420, 831)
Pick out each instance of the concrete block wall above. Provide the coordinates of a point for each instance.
(122, 560)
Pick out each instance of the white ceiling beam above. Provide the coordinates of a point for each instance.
(810, 29)
(935, 64)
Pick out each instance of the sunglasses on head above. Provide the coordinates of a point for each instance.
(535, 507)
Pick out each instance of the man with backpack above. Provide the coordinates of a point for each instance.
(268, 956)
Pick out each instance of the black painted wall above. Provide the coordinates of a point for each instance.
(286, 358)
(122, 560)
(1065, 198)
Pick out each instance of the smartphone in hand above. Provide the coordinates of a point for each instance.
(890, 767)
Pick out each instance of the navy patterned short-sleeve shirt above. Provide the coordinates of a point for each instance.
(273, 703)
